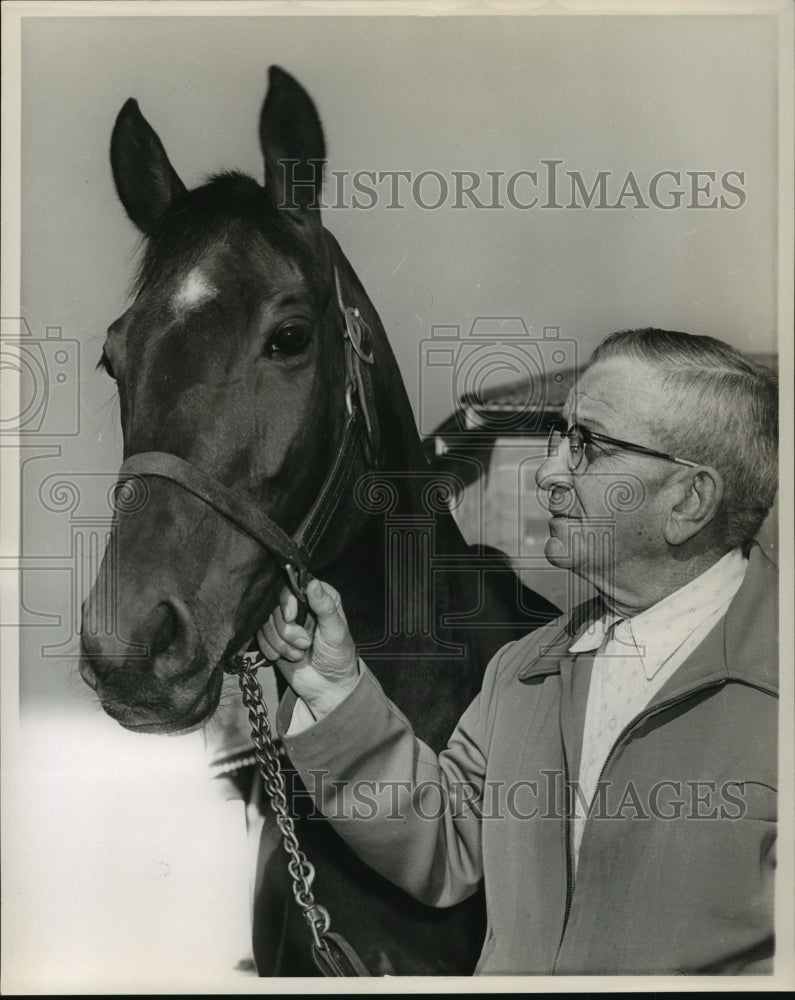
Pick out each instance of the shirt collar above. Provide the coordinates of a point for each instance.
(594, 634)
(659, 630)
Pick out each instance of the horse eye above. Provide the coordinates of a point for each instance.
(291, 338)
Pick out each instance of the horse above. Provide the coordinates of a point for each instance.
(260, 403)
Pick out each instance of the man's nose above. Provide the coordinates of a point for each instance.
(554, 470)
(554, 482)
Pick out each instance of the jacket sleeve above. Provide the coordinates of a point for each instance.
(412, 816)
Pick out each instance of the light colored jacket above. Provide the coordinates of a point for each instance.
(677, 860)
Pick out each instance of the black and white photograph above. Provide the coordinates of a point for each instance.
(397, 496)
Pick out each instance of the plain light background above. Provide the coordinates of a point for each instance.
(619, 93)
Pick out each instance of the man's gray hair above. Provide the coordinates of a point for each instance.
(722, 411)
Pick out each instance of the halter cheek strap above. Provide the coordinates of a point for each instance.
(358, 350)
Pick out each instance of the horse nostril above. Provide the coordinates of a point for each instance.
(168, 632)
(172, 634)
(162, 639)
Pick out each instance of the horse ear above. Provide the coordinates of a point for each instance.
(145, 180)
(292, 142)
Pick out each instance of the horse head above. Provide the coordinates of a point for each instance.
(233, 359)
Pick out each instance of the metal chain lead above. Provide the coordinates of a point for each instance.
(301, 870)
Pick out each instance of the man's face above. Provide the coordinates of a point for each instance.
(608, 515)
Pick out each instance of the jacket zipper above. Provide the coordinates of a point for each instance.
(646, 713)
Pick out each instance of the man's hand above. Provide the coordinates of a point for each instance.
(318, 660)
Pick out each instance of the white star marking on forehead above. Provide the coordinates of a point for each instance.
(194, 291)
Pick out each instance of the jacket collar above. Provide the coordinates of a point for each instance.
(743, 645)
(554, 641)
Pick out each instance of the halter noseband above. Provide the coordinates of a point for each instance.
(293, 553)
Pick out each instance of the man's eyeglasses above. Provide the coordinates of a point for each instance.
(580, 437)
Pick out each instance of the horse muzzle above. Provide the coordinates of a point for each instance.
(140, 705)
(161, 680)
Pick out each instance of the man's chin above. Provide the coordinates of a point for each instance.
(566, 548)
(558, 552)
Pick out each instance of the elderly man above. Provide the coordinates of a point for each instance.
(614, 783)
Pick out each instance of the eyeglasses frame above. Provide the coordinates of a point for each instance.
(589, 437)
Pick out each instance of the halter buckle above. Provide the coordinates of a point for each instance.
(358, 333)
(297, 579)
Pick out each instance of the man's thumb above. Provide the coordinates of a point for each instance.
(334, 651)
(321, 602)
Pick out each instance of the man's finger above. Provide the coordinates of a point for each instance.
(296, 635)
(288, 604)
(289, 641)
(265, 647)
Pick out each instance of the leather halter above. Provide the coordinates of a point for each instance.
(294, 554)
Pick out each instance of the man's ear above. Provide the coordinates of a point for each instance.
(700, 494)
